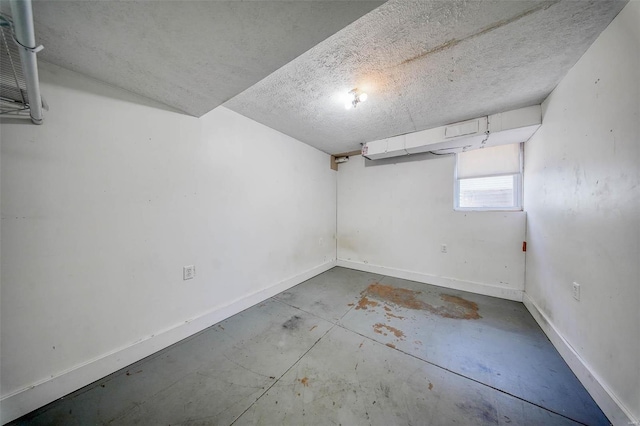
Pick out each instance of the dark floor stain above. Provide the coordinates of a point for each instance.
(304, 381)
(430, 385)
(292, 323)
(321, 305)
(385, 389)
(484, 368)
(378, 329)
(391, 345)
(350, 304)
(135, 372)
(365, 303)
(480, 410)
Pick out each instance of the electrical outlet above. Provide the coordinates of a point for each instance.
(188, 272)
(443, 248)
(576, 291)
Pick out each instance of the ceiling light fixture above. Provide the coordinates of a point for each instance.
(354, 98)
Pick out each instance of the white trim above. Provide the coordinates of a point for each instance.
(488, 209)
(609, 403)
(447, 282)
(39, 394)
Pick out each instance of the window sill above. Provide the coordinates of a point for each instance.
(487, 209)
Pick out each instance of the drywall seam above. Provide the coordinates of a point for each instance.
(609, 403)
(28, 399)
(447, 282)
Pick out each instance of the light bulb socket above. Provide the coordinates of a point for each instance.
(355, 99)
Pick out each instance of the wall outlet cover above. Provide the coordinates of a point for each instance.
(188, 272)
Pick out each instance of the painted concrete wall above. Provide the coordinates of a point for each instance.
(583, 204)
(105, 203)
(393, 218)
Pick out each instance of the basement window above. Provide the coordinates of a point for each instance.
(489, 179)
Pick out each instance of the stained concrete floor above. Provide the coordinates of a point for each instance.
(350, 348)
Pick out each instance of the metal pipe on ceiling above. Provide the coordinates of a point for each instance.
(22, 15)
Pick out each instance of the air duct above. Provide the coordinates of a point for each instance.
(497, 129)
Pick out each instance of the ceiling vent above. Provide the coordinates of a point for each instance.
(497, 129)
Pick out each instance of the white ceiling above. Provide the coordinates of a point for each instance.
(423, 63)
(191, 55)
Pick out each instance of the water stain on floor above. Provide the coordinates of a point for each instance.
(378, 329)
(398, 296)
(454, 307)
(457, 307)
(365, 303)
(389, 314)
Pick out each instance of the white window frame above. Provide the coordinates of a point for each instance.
(517, 188)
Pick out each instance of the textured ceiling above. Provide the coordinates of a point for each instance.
(425, 64)
(191, 55)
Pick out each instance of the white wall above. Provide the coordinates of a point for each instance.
(104, 204)
(392, 219)
(582, 200)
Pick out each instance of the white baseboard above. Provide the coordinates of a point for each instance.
(39, 394)
(470, 286)
(612, 407)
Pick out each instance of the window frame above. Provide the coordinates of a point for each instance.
(517, 188)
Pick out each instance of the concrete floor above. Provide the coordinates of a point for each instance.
(351, 348)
